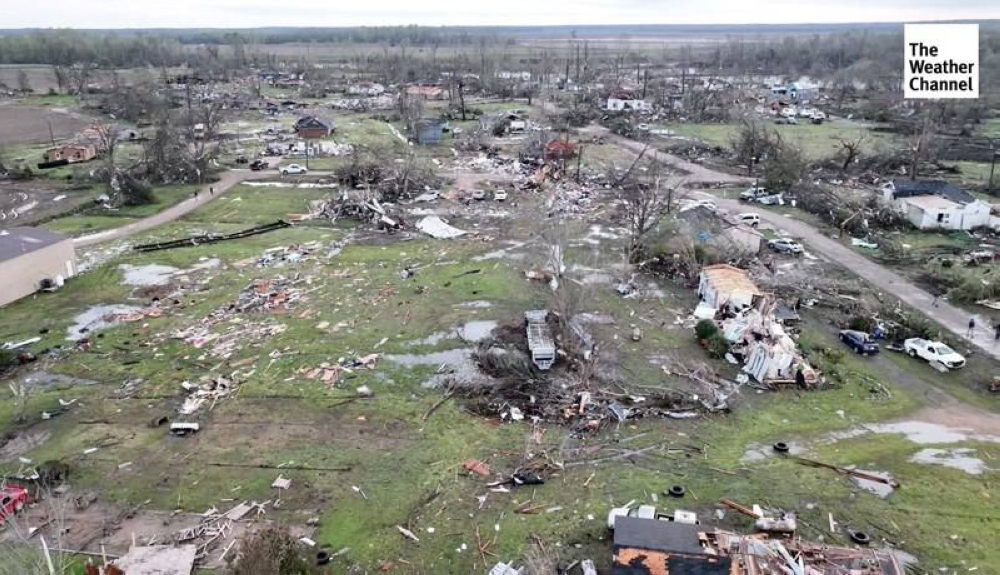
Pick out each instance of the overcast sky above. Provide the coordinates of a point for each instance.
(257, 13)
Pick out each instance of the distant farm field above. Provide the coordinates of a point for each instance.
(31, 124)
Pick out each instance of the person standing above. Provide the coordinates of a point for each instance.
(971, 333)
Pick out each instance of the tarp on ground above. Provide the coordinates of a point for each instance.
(438, 228)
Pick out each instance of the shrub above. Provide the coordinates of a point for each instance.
(705, 329)
(718, 346)
(860, 323)
(272, 551)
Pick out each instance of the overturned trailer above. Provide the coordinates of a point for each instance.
(540, 342)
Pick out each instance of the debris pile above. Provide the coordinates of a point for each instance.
(224, 345)
(210, 389)
(268, 295)
(331, 373)
(286, 255)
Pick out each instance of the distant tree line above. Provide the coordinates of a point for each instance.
(172, 48)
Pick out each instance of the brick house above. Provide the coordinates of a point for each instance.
(312, 127)
(71, 152)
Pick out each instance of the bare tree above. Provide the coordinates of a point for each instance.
(107, 143)
(202, 129)
(850, 149)
(23, 85)
(922, 145)
(752, 144)
(646, 200)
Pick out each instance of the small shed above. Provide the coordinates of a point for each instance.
(429, 131)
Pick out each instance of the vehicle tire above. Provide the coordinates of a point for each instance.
(842, 337)
(859, 351)
(781, 447)
(860, 537)
(913, 353)
(322, 558)
(676, 491)
(754, 225)
(284, 172)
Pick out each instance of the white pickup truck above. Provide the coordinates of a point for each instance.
(934, 352)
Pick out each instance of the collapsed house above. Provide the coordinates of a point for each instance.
(650, 546)
(750, 322)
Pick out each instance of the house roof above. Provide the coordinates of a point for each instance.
(313, 121)
(656, 535)
(911, 188)
(931, 203)
(729, 279)
(15, 242)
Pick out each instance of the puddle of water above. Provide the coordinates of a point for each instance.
(97, 318)
(147, 275)
(961, 459)
(503, 253)
(595, 318)
(878, 488)
(206, 264)
(477, 304)
(930, 433)
(434, 338)
(460, 361)
(477, 330)
(46, 379)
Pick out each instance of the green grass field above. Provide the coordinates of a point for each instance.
(98, 219)
(817, 141)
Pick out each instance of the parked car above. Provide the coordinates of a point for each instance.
(859, 341)
(751, 219)
(294, 169)
(934, 351)
(786, 120)
(258, 165)
(500, 195)
(818, 117)
(13, 498)
(478, 195)
(785, 246)
(709, 205)
(772, 200)
(753, 193)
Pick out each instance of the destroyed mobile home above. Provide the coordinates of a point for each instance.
(650, 545)
(749, 321)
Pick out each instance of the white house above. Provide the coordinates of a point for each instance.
(625, 102)
(523, 75)
(366, 89)
(934, 204)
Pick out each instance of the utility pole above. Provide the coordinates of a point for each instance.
(993, 162)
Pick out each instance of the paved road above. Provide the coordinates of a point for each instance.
(882, 278)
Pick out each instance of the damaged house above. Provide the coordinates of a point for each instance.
(654, 546)
(749, 321)
(936, 204)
